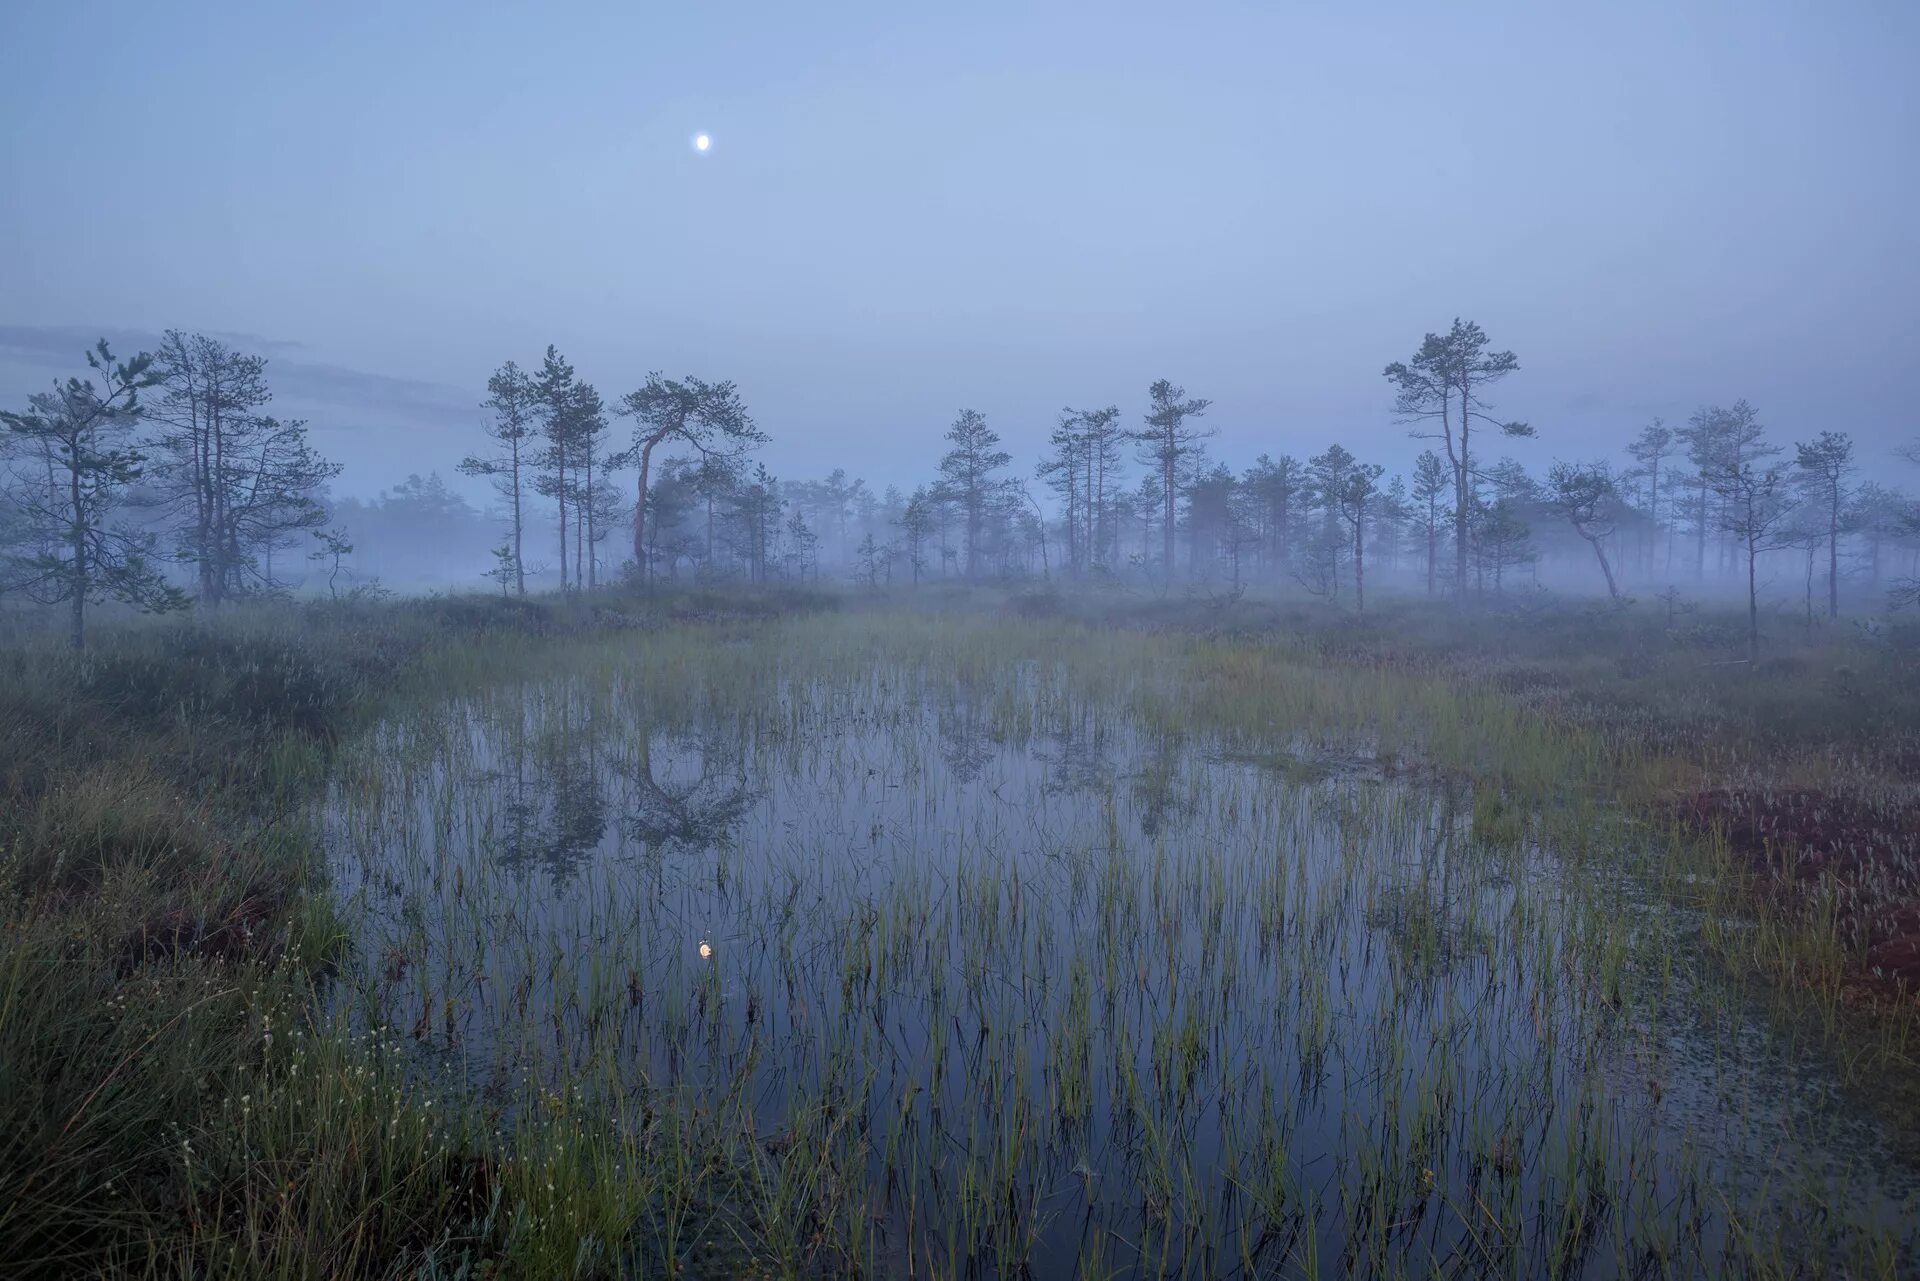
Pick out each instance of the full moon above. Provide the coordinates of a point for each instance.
(701, 142)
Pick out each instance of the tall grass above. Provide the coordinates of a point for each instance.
(212, 1055)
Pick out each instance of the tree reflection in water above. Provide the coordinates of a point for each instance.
(1079, 759)
(557, 813)
(1161, 789)
(966, 739)
(685, 794)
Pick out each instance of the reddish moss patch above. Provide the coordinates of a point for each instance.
(1857, 857)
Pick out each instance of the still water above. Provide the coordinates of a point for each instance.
(980, 977)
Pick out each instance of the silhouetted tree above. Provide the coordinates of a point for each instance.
(238, 481)
(967, 476)
(801, 540)
(1101, 434)
(1880, 515)
(753, 519)
(709, 418)
(557, 393)
(1587, 496)
(1145, 502)
(1353, 497)
(1429, 482)
(917, 521)
(1649, 449)
(512, 397)
(1210, 515)
(1243, 534)
(1327, 476)
(1444, 383)
(1171, 447)
(1756, 510)
(1067, 471)
(1273, 488)
(1718, 440)
(83, 437)
(1390, 516)
(1826, 463)
(506, 569)
(1501, 540)
(673, 498)
(1031, 521)
(594, 502)
(335, 546)
(869, 560)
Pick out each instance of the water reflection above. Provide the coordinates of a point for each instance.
(1159, 789)
(966, 741)
(1079, 758)
(561, 786)
(1052, 991)
(683, 793)
(555, 812)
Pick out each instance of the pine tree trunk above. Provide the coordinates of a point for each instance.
(519, 561)
(1833, 559)
(640, 516)
(79, 585)
(1613, 592)
(560, 491)
(1166, 534)
(1359, 561)
(1433, 546)
(1463, 506)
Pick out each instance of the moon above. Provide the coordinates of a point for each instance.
(701, 142)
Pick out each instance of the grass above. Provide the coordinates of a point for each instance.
(1798, 773)
(165, 920)
(479, 1041)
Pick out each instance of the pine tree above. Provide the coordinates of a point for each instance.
(593, 497)
(709, 418)
(1100, 439)
(1354, 495)
(556, 396)
(967, 476)
(1445, 383)
(1756, 512)
(239, 481)
(1826, 463)
(1587, 496)
(1274, 487)
(1067, 472)
(1501, 540)
(1429, 482)
(515, 403)
(753, 519)
(1649, 449)
(1173, 448)
(917, 521)
(83, 437)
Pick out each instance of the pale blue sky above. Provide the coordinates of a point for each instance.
(910, 209)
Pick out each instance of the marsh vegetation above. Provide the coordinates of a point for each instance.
(728, 936)
(956, 641)
(1006, 948)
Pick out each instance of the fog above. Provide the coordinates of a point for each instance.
(960, 641)
(903, 215)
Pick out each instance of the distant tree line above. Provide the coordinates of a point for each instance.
(164, 479)
(154, 482)
(1710, 501)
